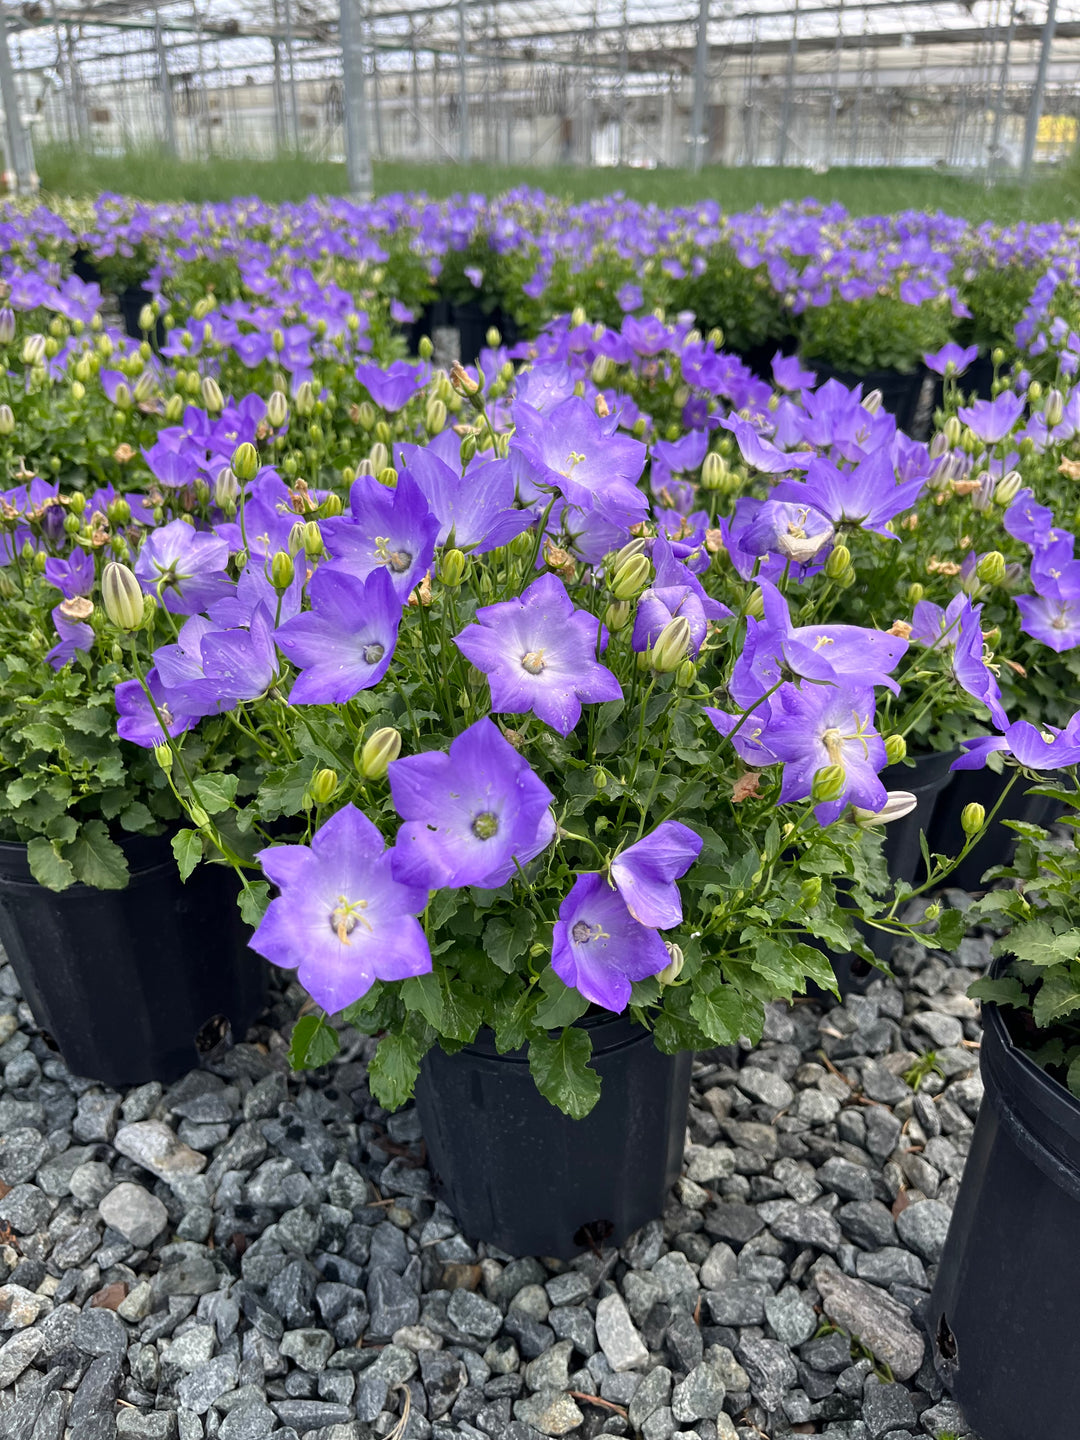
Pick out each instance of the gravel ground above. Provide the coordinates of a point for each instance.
(247, 1254)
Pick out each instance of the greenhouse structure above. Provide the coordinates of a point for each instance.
(974, 85)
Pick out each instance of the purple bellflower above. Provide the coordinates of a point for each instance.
(73, 633)
(209, 670)
(866, 496)
(138, 722)
(1035, 749)
(186, 566)
(341, 918)
(956, 631)
(780, 527)
(1053, 616)
(392, 530)
(655, 608)
(830, 654)
(392, 386)
(539, 654)
(599, 948)
(71, 576)
(762, 454)
(819, 725)
(345, 642)
(469, 813)
(992, 420)
(645, 873)
(475, 509)
(571, 451)
(951, 359)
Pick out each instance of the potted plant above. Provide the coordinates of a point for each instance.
(561, 822)
(1004, 1300)
(129, 971)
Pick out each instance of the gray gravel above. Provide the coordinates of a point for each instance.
(247, 1254)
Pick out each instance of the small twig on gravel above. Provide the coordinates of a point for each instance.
(596, 1400)
(406, 1406)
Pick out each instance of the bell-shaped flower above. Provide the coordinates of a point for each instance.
(1034, 747)
(762, 454)
(73, 575)
(345, 642)
(185, 566)
(140, 722)
(657, 608)
(573, 452)
(599, 948)
(992, 420)
(74, 634)
(866, 496)
(210, 670)
(476, 508)
(341, 920)
(472, 815)
(393, 386)
(645, 873)
(385, 529)
(539, 654)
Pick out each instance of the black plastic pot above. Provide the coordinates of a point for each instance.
(1003, 1312)
(135, 984)
(928, 780)
(521, 1175)
(84, 266)
(998, 844)
(901, 393)
(131, 301)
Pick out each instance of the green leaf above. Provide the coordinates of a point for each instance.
(254, 899)
(48, 866)
(512, 1022)
(1008, 991)
(393, 1070)
(506, 941)
(215, 793)
(313, 1043)
(718, 1011)
(425, 994)
(950, 930)
(187, 848)
(24, 787)
(136, 817)
(561, 1070)
(463, 1013)
(1036, 941)
(96, 859)
(1058, 997)
(563, 1004)
(42, 736)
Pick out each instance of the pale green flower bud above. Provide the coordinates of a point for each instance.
(147, 318)
(313, 540)
(810, 891)
(671, 645)
(174, 409)
(755, 606)
(452, 568)
(1055, 408)
(872, 402)
(212, 397)
(377, 751)
(245, 461)
(7, 420)
(991, 568)
(686, 674)
(895, 748)
(972, 818)
(898, 804)
(324, 786)
(122, 596)
(277, 410)
(435, 417)
(1007, 488)
(387, 476)
(296, 538)
(282, 571)
(714, 471)
(953, 431)
(828, 784)
(33, 350)
(838, 563)
(631, 578)
(617, 616)
(425, 349)
(144, 387)
(304, 399)
(915, 592)
(226, 489)
(333, 506)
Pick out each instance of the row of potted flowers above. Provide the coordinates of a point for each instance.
(551, 697)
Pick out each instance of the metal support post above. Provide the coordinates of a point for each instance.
(281, 132)
(294, 109)
(357, 140)
(463, 98)
(167, 111)
(789, 87)
(18, 144)
(1031, 133)
(701, 58)
(994, 156)
(624, 58)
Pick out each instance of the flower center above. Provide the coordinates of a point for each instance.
(533, 661)
(373, 653)
(396, 560)
(582, 932)
(345, 917)
(486, 825)
(833, 741)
